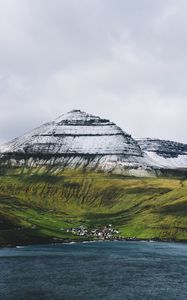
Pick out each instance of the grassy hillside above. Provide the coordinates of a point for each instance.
(39, 208)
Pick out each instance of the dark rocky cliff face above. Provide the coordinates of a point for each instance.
(81, 140)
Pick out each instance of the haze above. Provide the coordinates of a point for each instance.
(122, 60)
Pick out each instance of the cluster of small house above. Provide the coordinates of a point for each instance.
(106, 232)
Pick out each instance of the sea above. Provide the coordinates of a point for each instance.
(94, 271)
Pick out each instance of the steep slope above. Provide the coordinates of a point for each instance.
(39, 208)
(76, 140)
(164, 154)
(76, 133)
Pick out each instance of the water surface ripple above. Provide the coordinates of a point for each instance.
(94, 271)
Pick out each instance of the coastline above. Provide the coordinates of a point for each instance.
(74, 241)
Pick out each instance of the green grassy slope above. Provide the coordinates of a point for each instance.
(38, 208)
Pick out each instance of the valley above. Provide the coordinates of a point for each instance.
(34, 208)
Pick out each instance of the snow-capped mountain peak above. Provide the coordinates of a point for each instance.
(78, 139)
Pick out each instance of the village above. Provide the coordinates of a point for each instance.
(105, 233)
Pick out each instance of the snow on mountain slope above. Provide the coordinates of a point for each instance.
(163, 153)
(75, 133)
(76, 139)
(81, 140)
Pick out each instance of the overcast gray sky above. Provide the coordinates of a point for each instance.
(121, 59)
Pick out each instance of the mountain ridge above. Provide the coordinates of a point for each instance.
(81, 140)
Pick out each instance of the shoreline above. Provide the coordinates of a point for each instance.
(55, 242)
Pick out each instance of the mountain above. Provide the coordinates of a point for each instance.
(78, 140)
(164, 154)
(48, 183)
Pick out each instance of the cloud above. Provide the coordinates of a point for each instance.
(124, 60)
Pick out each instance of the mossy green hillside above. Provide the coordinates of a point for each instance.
(40, 207)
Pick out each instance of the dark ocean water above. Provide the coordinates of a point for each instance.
(100, 270)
